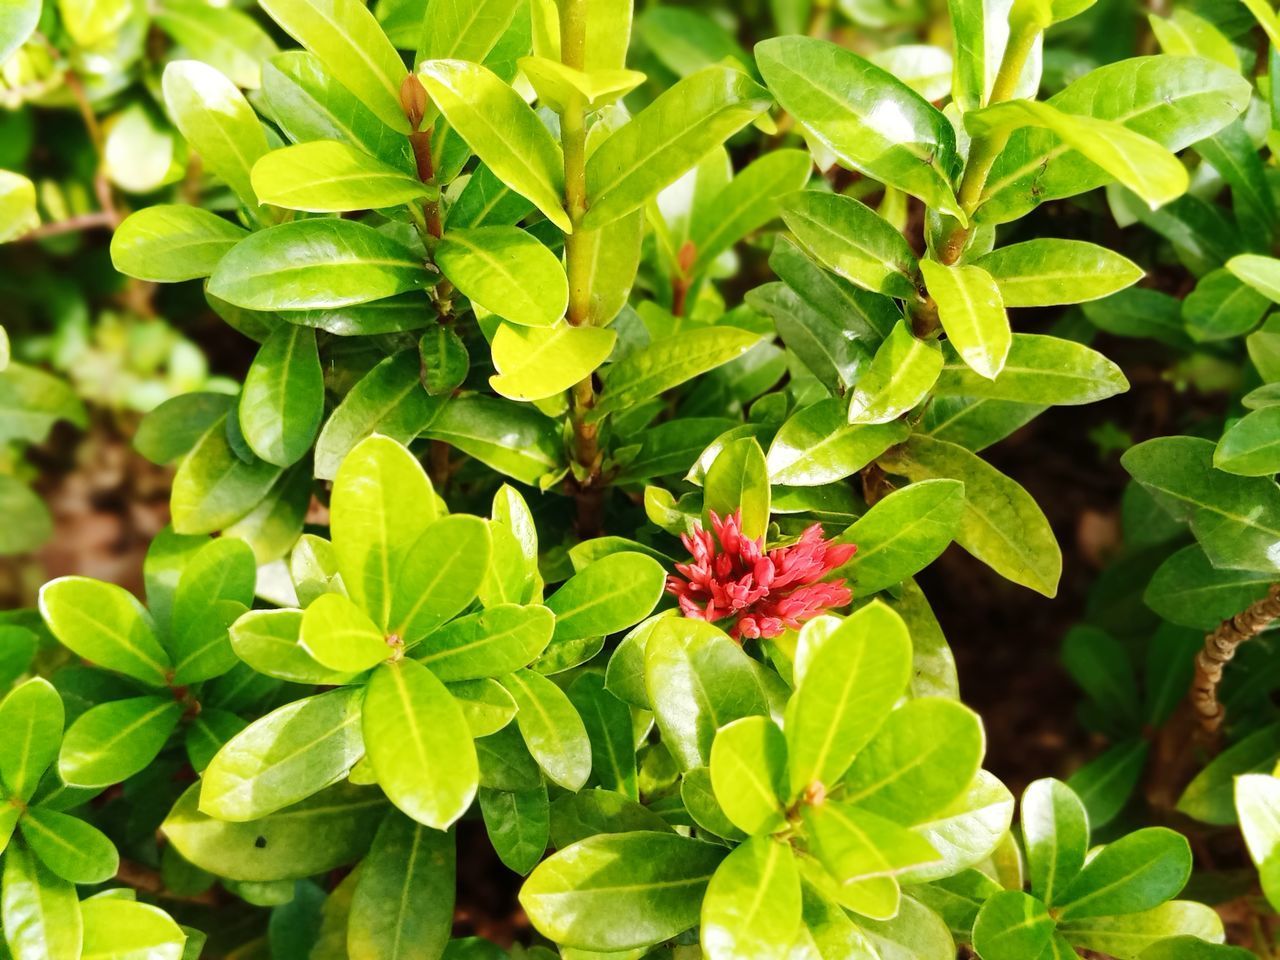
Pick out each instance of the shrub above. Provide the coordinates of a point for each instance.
(596, 426)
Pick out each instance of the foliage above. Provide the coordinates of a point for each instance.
(524, 326)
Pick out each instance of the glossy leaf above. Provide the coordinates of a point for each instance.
(283, 398)
(666, 138)
(502, 131)
(32, 713)
(105, 624)
(1137, 872)
(71, 848)
(816, 446)
(839, 97)
(752, 905)
(619, 892)
(536, 363)
(1001, 525)
(419, 743)
(112, 741)
(41, 911)
(506, 271)
(1044, 272)
(288, 755)
(852, 680)
(854, 242)
(1055, 832)
(901, 374)
(329, 176)
(551, 728)
(346, 38)
(316, 264)
(491, 643)
(1012, 925)
(749, 774)
(168, 243)
(1038, 370)
(972, 314)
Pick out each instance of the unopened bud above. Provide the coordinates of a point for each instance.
(413, 99)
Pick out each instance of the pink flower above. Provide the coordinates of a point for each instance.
(731, 576)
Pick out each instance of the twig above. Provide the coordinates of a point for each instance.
(84, 221)
(1219, 648)
(145, 880)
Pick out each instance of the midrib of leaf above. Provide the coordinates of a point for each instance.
(425, 590)
(410, 867)
(996, 187)
(488, 638)
(495, 264)
(24, 757)
(842, 707)
(370, 177)
(1242, 519)
(108, 745)
(832, 96)
(1097, 892)
(867, 251)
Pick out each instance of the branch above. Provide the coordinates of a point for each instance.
(84, 221)
(1219, 648)
(146, 880)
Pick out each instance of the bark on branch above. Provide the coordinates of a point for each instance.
(1219, 648)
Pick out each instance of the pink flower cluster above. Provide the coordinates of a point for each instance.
(731, 576)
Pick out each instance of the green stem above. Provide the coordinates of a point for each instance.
(985, 150)
(577, 252)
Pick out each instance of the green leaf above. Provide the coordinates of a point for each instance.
(686, 40)
(308, 103)
(69, 847)
(902, 534)
(901, 375)
(32, 401)
(341, 637)
(389, 400)
(816, 445)
(751, 910)
(921, 759)
(864, 853)
(551, 728)
(738, 480)
(648, 372)
(501, 130)
(490, 643)
(854, 242)
(1193, 948)
(167, 243)
(268, 641)
(1106, 782)
(1257, 798)
(514, 439)
(1040, 370)
(216, 586)
(104, 624)
(290, 754)
(666, 138)
(40, 911)
(1002, 525)
(440, 575)
(972, 314)
(17, 199)
(967, 832)
(329, 176)
(1236, 519)
(1250, 447)
(402, 908)
(1222, 306)
(31, 715)
(535, 363)
(1138, 162)
(610, 729)
(618, 892)
(1012, 925)
(849, 686)
(112, 741)
(1175, 101)
(316, 264)
(331, 829)
(1138, 872)
(1188, 590)
(1055, 833)
(871, 121)
(1125, 937)
(749, 774)
(283, 398)
(506, 271)
(223, 37)
(18, 20)
(612, 594)
(119, 929)
(519, 825)
(1046, 272)
(558, 85)
(214, 487)
(1208, 797)
(217, 122)
(485, 703)
(464, 30)
(345, 36)
(382, 504)
(419, 743)
(697, 681)
(749, 201)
